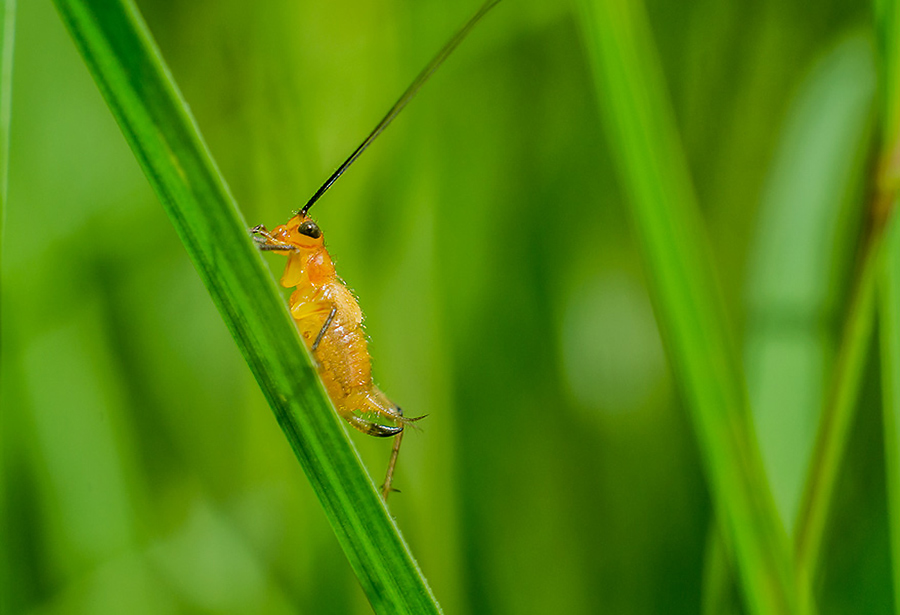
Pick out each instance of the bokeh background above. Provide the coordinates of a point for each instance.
(488, 240)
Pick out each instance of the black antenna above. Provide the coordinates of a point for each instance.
(402, 102)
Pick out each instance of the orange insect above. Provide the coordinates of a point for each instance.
(325, 310)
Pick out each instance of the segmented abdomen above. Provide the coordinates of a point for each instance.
(342, 356)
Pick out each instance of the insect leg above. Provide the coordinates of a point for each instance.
(265, 241)
(324, 328)
(395, 414)
(386, 487)
(275, 247)
(308, 314)
(370, 428)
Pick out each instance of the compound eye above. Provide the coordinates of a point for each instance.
(310, 229)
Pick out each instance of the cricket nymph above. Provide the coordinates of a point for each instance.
(330, 322)
(326, 312)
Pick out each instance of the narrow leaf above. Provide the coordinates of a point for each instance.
(691, 316)
(889, 321)
(835, 424)
(809, 222)
(7, 37)
(888, 22)
(842, 402)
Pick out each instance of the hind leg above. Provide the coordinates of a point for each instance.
(372, 428)
(365, 404)
(387, 485)
(375, 402)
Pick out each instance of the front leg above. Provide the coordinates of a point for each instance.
(266, 242)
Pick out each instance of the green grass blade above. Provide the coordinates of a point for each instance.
(133, 79)
(719, 591)
(689, 309)
(888, 22)
(808, 227)
(7, 38)
(840, 410)
(834, 428)
(809, 221)
(889, 320)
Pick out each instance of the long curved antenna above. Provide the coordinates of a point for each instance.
(404, 99)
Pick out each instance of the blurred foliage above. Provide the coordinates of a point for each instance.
(488, 240)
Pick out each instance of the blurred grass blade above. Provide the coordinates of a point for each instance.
(7, 44)
(889, 313)
(644, 139)
(888, 23)
(7, 38)
(719, 594)
(809, 221)
(887, 17)
(800, 265)
(835, 425)
(841, 406)
(130, 73)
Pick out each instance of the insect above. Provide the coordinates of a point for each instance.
(327, 313)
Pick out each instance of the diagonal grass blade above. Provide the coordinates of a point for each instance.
(691, 317)
(888, 22)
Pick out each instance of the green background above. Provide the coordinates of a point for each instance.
(489, 243)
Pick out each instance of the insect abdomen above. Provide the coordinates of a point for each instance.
(342, 355)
